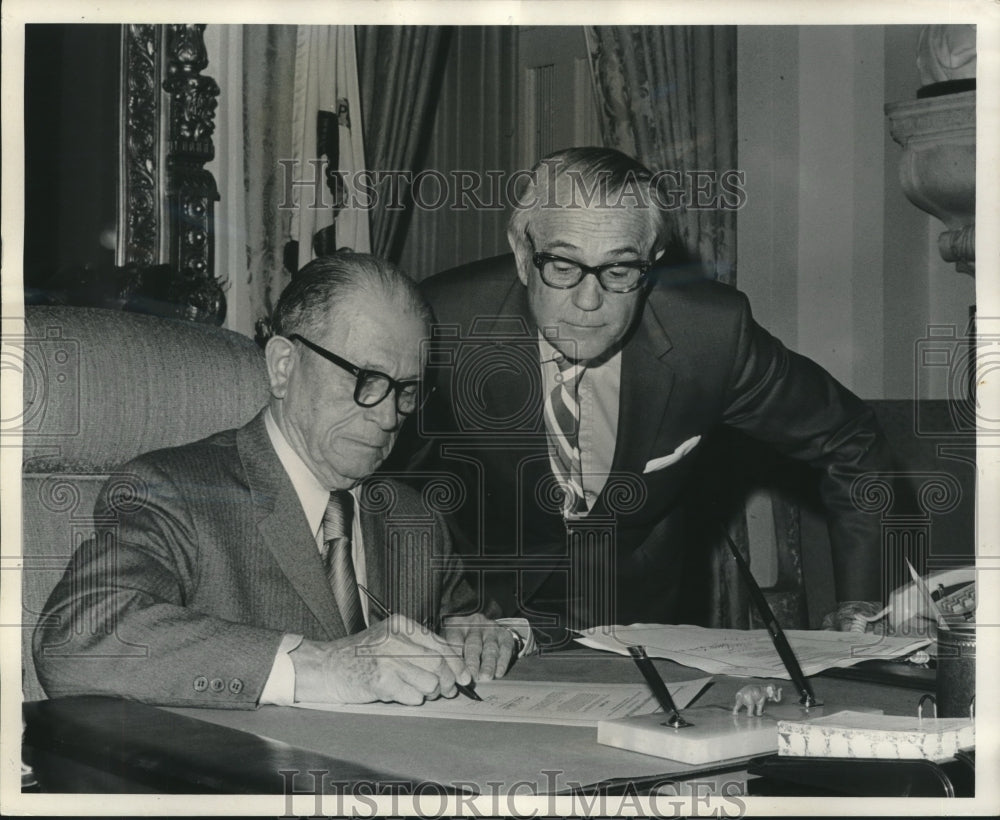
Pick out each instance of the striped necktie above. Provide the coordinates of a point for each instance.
(337, 523)
(562, 417)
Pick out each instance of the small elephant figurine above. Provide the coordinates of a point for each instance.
(754, 697)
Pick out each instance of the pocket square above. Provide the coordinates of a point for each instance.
(665, 461)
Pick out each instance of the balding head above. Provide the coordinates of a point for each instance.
(345, 363)
(317, 293)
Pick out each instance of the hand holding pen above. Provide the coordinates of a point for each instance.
(395, 660)
(467, 689)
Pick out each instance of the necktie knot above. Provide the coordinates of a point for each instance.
(569, 373)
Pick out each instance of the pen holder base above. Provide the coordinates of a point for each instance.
(796, 711)
(715, 733)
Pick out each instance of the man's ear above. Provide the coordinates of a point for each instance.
(522, 255)
(281, 357)
(522, 271)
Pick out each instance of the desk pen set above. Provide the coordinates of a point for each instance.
(760, 722)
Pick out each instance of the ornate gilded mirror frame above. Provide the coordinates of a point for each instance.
(165, 195)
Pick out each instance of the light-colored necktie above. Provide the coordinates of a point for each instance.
(337, 523)
(562, 418)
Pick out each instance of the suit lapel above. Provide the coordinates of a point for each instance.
(283, 527)
(376, 547)
(647, 381)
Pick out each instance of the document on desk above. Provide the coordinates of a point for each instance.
(567, 703)
(748, 652)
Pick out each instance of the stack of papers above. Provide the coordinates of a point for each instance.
(748, 652)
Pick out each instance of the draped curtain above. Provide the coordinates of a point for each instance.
(400, 69)
(667, 96)
(473, 130)
(268, 84)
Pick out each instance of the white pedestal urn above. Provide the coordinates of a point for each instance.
(938, 167)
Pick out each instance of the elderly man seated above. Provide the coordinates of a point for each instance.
(234, 581)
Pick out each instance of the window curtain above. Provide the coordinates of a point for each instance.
(400, 71)
(667, 96)
(473, 130)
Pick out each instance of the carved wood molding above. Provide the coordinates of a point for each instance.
(191, 190)
(139, 191)
(166, 196)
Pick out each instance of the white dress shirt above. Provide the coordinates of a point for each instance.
(280, 686)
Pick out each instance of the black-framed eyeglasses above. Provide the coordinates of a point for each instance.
(562, 273)
(372, 386)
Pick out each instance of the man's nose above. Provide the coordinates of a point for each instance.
(588, 295)
(384, 414)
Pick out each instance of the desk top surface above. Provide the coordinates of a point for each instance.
(533, 758)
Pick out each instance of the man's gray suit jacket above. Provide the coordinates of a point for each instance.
(202, 561)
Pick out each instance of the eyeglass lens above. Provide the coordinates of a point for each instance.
(372, 388)
(564, 273)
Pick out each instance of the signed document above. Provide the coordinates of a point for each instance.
(565, 703)
(748, 652)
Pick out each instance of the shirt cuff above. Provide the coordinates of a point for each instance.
(521, 629)
(279, 689)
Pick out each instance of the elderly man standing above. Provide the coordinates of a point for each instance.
(235, 581)
(575, 382)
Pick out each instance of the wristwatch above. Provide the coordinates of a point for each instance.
(518, 643)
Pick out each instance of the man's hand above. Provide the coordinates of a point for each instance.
(853, 616)
(394, 660)
(486, 646)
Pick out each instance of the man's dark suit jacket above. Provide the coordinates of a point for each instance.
(203, 559)
(695, 360)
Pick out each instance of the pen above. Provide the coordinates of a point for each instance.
(774, 629)
(659, 688)
(928, 598)
(465, 688)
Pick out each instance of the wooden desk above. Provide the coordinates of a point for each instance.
(111, 745)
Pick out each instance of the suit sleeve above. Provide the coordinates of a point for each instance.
(117, 622)
(792, 403)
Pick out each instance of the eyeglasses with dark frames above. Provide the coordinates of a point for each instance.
(615, 277)
(372, 386)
